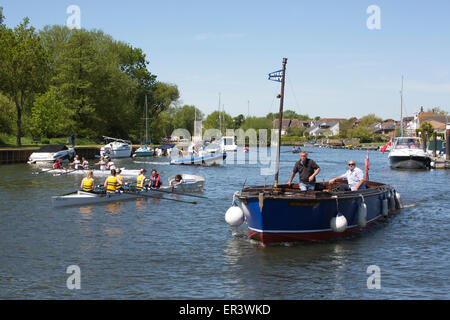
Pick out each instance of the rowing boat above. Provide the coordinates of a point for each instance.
(81, 198)
(124, 172)
(190, 183)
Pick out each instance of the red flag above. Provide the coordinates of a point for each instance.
(366, 167)
(383, 149)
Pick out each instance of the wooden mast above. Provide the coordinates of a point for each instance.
(280, 122)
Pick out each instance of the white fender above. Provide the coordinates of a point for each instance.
(398, 200)
(338, 223)
(391, 201)
(362, 215)
(234, 216)
(384, 207)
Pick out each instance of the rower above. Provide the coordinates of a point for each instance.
(102, 164)
(58, 164)
(177, 181)
(120, 179)
(87, 184)
(112, 183)
(110, 165)
(140, 182)
(76, 163)
(154, 180)
(84, 163)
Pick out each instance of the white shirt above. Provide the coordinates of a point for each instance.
(353, 177)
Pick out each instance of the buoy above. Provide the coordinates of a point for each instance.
(338, 223)
(398, 200)
(362, 215)
(384, 207)
(234, 216)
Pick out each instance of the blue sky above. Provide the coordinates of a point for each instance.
(337, 67)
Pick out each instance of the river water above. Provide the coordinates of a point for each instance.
(159, 249)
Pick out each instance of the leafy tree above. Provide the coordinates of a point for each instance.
(257, 123)
(369, 119)
(212, 121)
(361, 132)
(185, 116)
(1, 16)
(23, 67)
(237, 121)
(288, 114)
(344, 127)
(438, 110)
(426, 128)
(7, 115)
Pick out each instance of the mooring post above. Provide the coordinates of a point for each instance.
(434, 143)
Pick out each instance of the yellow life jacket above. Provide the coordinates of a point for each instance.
(140, 180)
(88, 184)
(111, 184)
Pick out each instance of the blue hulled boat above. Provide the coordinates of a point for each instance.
(287, 214)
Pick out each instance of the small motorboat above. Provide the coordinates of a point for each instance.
(116, 148)
(164, 150)
(77, 198)
(52, 152)
(144, 151)
(296, 150)
(201, 158)
(407, 153)
(189, 183)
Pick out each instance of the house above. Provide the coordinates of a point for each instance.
(386, 127)
(323, 128)
(289, 123)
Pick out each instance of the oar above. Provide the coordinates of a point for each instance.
(38, 172)
(156, 197)
(181, 194)
(68, 171)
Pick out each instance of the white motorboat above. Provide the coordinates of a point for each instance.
(52, 152)
(227, 144)
(189, 183)
(144, 151)
(407, 153)
(202, 158)
(164, 150)
(116, 148)
(86, 198)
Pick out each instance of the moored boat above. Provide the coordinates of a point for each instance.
(407, 153)
(50, 153)
(124, 172)
(116, 148)
(200, 159)
(144, 151)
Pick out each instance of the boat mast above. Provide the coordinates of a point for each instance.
(401, 110)
(277, 167)
(146, 120)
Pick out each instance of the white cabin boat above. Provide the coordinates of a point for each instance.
(52, 152)
(116, 148)
(97, 173)
(407, 153)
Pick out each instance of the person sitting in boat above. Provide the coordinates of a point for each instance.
(155, 181)
(110, 165)
(87, 184)
(76, 163)
(354, 176)
(178, 180)
(58, 164)
(307, 170)
(141, 179)
(112, 183)
(101, 163)
(120, 179)
(84, 164)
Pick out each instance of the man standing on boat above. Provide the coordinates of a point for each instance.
(307, 170)
(354, 176)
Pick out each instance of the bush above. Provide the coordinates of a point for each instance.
(45, 141)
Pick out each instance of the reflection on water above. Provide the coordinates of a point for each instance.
(114, 208)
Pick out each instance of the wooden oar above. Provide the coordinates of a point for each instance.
(156, 197)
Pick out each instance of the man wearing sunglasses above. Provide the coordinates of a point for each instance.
(354, 176)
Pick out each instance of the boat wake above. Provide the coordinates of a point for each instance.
(412, 205)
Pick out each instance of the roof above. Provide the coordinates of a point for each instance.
(427, 116)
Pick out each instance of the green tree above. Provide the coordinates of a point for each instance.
(438, 110)
(361, 132)
(7, 115)
(369, 119)
(238, 121)
(1, 16)
(23, 67)
(213, 121)
(185, 116)
(426, 128)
